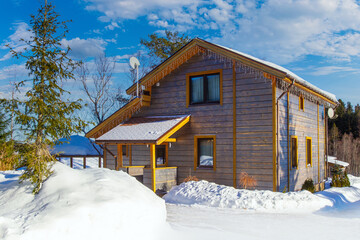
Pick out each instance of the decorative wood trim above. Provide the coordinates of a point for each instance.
(173, 130)
(169, 65)
(170, 140)
(309, 90)
(189, 75)
(115, 119)
(153, 167)
(234, 122)
(196, 150)
(274, 134)
(297, 151)
(306, 152)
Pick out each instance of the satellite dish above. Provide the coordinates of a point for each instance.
(134, 62)
(330, 113)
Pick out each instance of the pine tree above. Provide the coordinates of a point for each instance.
(45, 116)
(164, 47)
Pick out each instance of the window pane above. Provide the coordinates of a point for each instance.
(197, 90)
(308, 149)
(160, 155)
(206, 152)
(294, 152)
(213, 82)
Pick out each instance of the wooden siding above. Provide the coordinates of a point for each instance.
(253, 125)
(110, 160)
(302, 123)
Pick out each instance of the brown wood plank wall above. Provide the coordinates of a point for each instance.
(254, 124)
(302, 124)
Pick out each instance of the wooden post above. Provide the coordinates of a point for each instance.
(84, 162)
(119, 158)
(153, 166)
(71, 162)
(99, 162)
(104, 160)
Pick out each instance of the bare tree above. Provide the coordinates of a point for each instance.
(97, 83)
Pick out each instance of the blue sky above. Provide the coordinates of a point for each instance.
(318, 40)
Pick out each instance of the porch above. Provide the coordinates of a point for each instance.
(153, 136)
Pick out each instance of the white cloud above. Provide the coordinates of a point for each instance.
(277, 30)
(15, 72)
(327, 70)
(83, 48)
(15, 40)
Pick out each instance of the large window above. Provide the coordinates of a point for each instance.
(308, 151)
(205, 152)
(294, 152)
(204, 87)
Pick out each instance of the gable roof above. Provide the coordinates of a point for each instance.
(265, 66)
(192, 48)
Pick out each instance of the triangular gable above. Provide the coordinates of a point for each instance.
(194, 47)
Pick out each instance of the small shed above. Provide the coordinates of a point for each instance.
(77, 147)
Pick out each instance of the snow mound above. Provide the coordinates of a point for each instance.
(73, 204)
(354, 181)
(214, 195)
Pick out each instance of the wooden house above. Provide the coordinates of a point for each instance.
(213, 112)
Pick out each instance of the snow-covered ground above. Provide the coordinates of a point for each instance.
(80, 204)
(104, 204)
(205, 210)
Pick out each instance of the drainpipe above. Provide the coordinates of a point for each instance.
(277, 135)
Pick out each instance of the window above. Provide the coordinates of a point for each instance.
(124, 150)
(205, 152)
(301, 103)
(294, 152)
(160, 154)
(204, 87)
(308, 151)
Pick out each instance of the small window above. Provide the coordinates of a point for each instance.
(301, 103)
(205, 152)
(294, 152)
(205, 89)
(160, 154)
(308, 151)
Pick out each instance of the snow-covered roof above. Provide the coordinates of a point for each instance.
(143, 129)
(333, 160)
(289, 73)
(76, 146)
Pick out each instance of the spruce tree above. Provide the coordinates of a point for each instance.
(45, 115)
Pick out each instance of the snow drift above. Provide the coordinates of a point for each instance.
(85, 204)
(214, 195)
